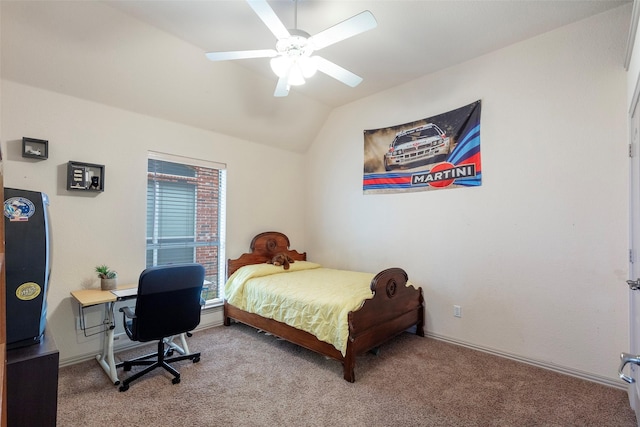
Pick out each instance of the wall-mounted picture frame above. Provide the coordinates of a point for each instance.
(85, 176)
(35, 148)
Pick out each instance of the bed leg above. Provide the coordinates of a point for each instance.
(348, 365)
(420, 324)
(420, 329)
(226, 320)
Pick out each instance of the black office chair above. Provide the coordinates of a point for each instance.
(168, 303)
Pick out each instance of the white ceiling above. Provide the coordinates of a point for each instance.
(413, 38)
(148, 56)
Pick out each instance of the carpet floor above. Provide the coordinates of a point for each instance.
(246, 378)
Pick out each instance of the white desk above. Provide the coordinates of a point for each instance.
(90, 297)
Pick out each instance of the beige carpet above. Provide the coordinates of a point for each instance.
(247, 378)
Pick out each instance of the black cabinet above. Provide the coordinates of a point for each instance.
(32, 384)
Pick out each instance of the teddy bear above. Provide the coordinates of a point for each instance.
(281, 259)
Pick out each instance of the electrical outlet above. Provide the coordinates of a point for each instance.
(457, 311)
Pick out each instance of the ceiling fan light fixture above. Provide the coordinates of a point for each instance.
(296, 76)
(296, 68)
(281, 65)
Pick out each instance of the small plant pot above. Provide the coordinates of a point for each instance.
(108, 284)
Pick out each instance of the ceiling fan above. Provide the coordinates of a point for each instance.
(292, 60)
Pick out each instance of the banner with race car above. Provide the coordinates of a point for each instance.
(435, 153)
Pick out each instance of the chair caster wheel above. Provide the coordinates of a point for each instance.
(126, 367)
(170, 352)
(175, 380)
(124, 387)
(196, 359)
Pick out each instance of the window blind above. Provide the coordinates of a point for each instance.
(186, 214)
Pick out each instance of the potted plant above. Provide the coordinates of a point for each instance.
(108, 277)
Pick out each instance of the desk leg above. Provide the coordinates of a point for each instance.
(183, 340)
(107, 359)
(182, 350)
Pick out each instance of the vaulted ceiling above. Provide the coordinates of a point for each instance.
(148, 56)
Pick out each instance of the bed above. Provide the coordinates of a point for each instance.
(391, 306)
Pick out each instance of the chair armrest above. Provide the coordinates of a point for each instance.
(128, 312)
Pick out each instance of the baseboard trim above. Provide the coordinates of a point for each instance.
(545, 365)
(541, 364)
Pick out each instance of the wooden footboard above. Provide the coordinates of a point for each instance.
(393, 309)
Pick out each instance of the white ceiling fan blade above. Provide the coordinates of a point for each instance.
(282, 88)
(241, 54)
(269, 17)
(357, 24)
(337, 72)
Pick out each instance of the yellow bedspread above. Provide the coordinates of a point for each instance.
(307, 296)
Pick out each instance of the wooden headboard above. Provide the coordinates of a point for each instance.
(263, 248)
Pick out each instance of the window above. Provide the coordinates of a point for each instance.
(186, 217)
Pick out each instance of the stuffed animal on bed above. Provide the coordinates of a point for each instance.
(281, 259)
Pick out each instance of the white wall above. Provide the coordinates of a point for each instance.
(633, 74)
(110, 227)
(536, 256)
